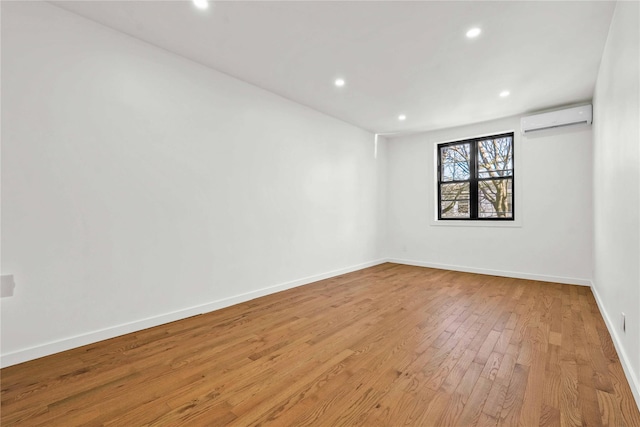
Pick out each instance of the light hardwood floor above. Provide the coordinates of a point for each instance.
(390, 345)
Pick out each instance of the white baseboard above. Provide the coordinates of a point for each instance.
(632, 378)
(64, 344)
(501, 273)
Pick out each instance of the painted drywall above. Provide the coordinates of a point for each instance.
(616, 177)
(381, 154)
(551, 238)
(139, 187)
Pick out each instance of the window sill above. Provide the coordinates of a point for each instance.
(457, 223)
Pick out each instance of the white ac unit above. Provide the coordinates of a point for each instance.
(554, 119)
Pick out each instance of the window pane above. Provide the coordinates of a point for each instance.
(495, 157)
(454, 160)
(495, 198)
(454, 200)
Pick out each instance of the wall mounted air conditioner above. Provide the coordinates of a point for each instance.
(554, 119)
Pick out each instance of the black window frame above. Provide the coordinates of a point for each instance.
(474, 179)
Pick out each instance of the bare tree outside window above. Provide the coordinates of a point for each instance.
(475, 179)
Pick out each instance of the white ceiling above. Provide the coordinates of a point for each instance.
(396, 57)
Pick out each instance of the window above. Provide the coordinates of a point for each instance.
(475, 179)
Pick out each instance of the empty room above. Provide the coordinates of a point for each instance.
(320, 213)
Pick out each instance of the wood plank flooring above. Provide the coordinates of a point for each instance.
(390, 345)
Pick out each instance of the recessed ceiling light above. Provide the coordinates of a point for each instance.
(473, 32)
(201, 4)
(402, 117)
(504, 93)
(339, 82)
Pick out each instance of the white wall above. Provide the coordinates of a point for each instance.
(382, 231)
(138, 186)
(616, 169)
(552, 237)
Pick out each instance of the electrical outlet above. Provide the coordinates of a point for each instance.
(7, 285)
(623, 323)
